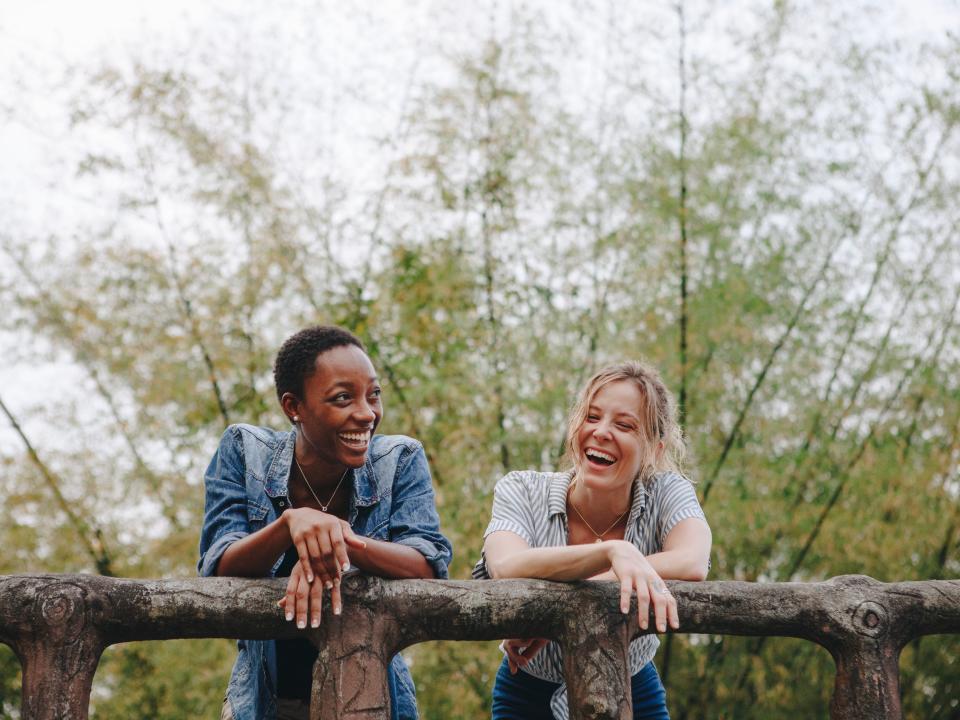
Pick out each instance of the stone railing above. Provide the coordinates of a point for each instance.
(58, 625)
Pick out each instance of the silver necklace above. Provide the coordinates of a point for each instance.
(323, 506)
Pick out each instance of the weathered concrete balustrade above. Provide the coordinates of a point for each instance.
(58, 625)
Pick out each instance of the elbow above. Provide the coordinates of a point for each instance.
(697, 572)
(499, 570)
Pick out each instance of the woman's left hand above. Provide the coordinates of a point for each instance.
(520, 651)
(305, 599)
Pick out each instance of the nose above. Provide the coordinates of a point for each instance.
(365, 412)
(601, 429)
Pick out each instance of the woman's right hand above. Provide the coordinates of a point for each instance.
(321, 540)
(635, 573)
(520, 651)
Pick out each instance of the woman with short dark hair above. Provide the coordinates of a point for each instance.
(310, 503)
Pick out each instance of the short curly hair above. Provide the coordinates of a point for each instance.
(297, 358)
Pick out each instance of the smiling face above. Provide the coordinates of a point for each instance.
(340, 409)
(611, 445)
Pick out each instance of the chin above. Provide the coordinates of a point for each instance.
(601, 481)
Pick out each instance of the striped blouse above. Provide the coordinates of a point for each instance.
(534, 506)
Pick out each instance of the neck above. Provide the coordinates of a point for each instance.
(599, 505)
(320, 473)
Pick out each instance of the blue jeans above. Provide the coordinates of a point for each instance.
(525, 697)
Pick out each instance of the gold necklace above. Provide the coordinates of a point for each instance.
(599, 536)
(323, 507)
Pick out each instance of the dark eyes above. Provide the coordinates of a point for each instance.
(345, 397)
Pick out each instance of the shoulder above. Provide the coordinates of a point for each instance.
(671, 490)
(530, 487)
(246, 432)
(667, 481)
(251, 444)
(383, 446)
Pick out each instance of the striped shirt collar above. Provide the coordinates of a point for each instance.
(560, 484)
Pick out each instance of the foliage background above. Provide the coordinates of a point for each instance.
(760, 198)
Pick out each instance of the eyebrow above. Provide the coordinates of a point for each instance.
(373, 380)
(622, 413)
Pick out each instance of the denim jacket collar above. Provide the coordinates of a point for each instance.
(276, 483)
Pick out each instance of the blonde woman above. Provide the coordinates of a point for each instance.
(622, 512)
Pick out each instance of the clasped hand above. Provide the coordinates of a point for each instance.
(321, 541)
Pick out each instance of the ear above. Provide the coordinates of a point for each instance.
(291, 405)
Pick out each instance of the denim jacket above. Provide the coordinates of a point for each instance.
(246, 486)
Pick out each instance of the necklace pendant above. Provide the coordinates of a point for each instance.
(598, 540)
(323, 508)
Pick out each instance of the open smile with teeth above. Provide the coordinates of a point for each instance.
(357, 440)
(599, 457)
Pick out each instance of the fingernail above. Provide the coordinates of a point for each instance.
(301, 624)
(280, 602)
(336, 610)
(289, 616)
(643, 624)
(623, 609)
(662, 627)
(328, 585)
(346, 566)
(315, 623)
(309, 578)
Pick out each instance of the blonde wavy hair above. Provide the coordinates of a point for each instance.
(658, 416)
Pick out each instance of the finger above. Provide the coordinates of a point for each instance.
(513, 658)
(302, 600)
(304, 554)
(316, 604)
(335, 599)
(535, 646)
(313, 547)
(290, 600)
(329, 560)
(320, 567)
(659, 597)
(352, 539)
(643, 604)
(626, 590)
(673, 614)
(340, 551)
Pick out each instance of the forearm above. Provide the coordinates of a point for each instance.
(390, 560)
(680, 564)
(573, 562)
(255, 554)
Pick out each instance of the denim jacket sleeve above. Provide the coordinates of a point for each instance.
(414, 520)
(225, 511)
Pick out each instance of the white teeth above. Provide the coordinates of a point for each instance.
(356, 437)
(601, 455)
